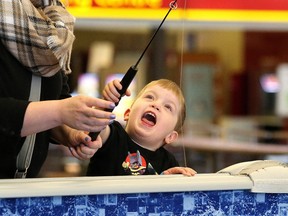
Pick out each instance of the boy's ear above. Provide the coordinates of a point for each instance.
(171, 137)
(126, 115)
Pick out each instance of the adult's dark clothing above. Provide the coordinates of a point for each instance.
(120, 155)
(15, 81)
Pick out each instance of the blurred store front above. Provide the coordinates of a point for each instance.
(228, 56)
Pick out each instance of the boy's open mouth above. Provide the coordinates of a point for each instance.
(149, 118)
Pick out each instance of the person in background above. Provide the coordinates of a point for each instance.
(154, 120)
(36, 38)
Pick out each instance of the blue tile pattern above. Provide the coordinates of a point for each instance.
(204, 203)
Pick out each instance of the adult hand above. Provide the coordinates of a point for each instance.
(87, 148)
(180, 170)
(80, 112)
(86, 113)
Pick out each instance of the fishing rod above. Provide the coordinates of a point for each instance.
(130, 74)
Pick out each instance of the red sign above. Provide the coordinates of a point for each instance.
(188, 4)
(239, 4)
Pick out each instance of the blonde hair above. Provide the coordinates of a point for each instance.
(171, 86)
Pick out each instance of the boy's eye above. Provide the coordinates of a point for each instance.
(149, 96)
(168, 107)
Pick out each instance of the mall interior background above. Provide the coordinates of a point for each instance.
(235, 60)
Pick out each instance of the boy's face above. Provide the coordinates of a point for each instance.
(152, 117)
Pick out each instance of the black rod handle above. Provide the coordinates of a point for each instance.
(125, 82)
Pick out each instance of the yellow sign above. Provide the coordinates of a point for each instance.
(191, 10)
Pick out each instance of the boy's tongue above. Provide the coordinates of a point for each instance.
(149, 119)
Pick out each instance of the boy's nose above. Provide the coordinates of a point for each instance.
(155, 107)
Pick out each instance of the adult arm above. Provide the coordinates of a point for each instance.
(75, 112)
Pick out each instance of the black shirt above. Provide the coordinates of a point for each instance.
(15, 81)
(120, 155)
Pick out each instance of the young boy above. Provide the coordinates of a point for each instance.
(154, 119)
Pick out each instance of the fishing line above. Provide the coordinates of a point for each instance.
(181, 70)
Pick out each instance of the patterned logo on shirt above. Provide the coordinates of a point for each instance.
(135, 164)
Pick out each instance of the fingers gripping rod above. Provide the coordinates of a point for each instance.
(130, 74)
